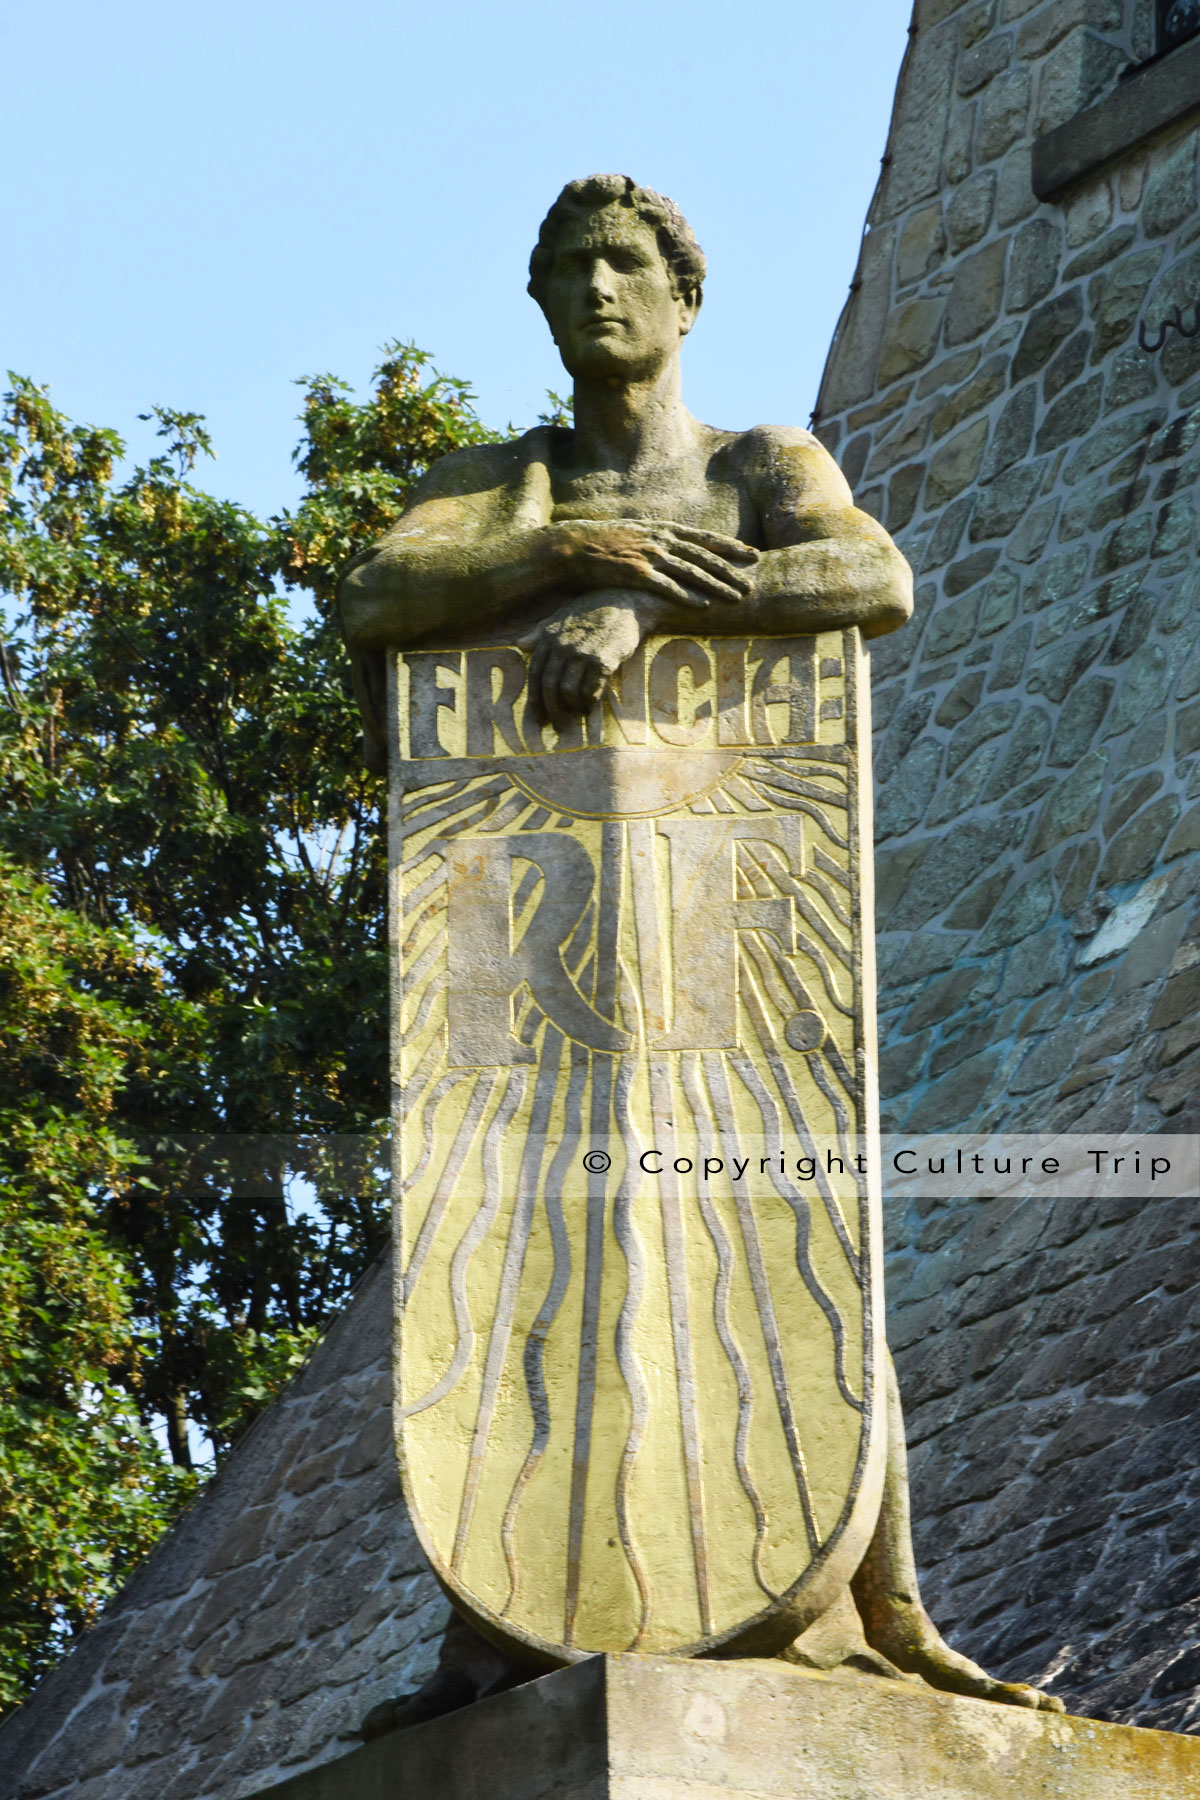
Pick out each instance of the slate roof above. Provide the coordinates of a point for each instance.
(286, 1602)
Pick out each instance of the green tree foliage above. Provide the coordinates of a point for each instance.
(180, 772)
(84, 1019)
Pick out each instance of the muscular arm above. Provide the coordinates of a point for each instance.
(827, 565)
(468, 548)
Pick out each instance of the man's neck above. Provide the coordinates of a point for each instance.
(627, 426)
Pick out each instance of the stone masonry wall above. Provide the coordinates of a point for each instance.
(1038, 822)
(289, 1601)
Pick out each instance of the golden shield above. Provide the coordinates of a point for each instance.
(639, 1291)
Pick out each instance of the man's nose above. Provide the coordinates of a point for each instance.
(600, 280)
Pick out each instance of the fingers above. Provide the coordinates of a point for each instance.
(732, 549)
(700, 580)
(537, 667)
(562, 684)
(736, 577)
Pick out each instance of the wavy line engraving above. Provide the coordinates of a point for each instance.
(675, 1245)
(718, 1084)
(787, 1091)
(408, 1093)
(444, 1192)
(693, 1087)
(808, 1275)
(510, 1281)
(585, 1395)
(639, 1400)
(804, 787)
(443, 1087)
(464, 1325)
(418, 799)
(437, 986)
(833, 869)
(535, 1343)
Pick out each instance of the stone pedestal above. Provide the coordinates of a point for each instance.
(654, 1728)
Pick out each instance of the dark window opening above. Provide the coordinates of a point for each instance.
(1177, 21)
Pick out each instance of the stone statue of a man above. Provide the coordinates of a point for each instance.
(579, 542)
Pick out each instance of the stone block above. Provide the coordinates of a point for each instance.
(1072, 414)
(1171, 189)
(1125, 287)
(1003, 109)
(976, 293)
(923, 99)
(1033, 270)
(980, 64)
(1081, 717)
(969, 211)
(1166, 90)
(922, 244)
(854, 357)
(1076, 72)
(971, 396)
(1089, 211)
(955, 465)
(648, 1728)
(1073, 806)
(910, 337)
(1015, 198)
(1068, 365)
(1134, 850)
(1047, 327)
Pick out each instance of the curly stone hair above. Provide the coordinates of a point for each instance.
(680, 251)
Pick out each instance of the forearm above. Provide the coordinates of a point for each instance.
(824, 585)
(395, 595)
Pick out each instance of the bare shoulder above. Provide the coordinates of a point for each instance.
(481, 468)
(786, 461)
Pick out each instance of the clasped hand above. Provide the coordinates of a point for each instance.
(631, 572)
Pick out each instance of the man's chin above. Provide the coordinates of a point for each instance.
(607, 358)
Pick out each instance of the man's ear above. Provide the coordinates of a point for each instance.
(689, 306)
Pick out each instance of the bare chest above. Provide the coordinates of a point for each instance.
(689, 495)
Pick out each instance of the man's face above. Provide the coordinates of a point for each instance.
(609, 299)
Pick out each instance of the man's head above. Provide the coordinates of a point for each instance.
(618, 275)
(680, 252)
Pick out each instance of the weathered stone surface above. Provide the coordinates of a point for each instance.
(1170, 197)
(969, 211)
(976, 294)
(955, 464)
(910, 337)
(1089, 211)
(1014, 432)
(1077, 71)
(854, 358)
(645, 1728)
(1033, 265)
(920, 120)
(1003, 111)
(1124, 289)
(922, 244)
(1048, 326)
(1160, 94)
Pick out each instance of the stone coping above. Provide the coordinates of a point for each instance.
(1164, 91)
(660, 1728)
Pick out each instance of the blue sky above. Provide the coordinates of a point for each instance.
(206, 202)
